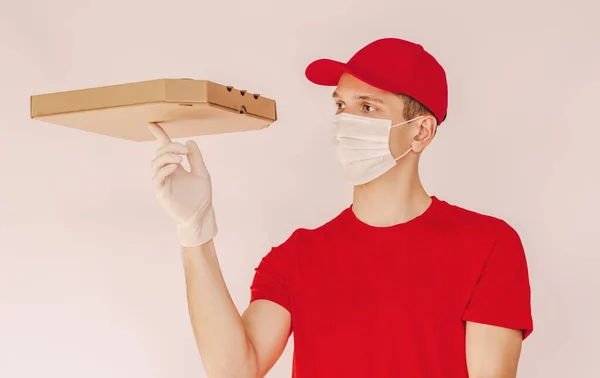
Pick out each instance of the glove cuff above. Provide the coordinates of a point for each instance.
(198, 230)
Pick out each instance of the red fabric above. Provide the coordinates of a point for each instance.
(393, 65)
(392, 301)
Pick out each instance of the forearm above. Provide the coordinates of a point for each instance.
(218, 328)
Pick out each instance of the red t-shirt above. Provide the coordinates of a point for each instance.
(392, 301)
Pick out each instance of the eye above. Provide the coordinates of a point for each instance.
(340, 105)
(369, 108)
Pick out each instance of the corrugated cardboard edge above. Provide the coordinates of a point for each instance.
(152, 91)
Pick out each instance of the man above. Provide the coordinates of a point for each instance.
(399, 284)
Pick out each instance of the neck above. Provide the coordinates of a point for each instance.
(396, 197)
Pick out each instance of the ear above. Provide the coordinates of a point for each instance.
(427, 129)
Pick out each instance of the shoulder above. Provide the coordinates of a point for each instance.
(476, 232)
(469, 221)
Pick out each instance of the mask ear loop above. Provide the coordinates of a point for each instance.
(403, 155)
(400, 124)
(405, 122)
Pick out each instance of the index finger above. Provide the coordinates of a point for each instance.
(160, 134)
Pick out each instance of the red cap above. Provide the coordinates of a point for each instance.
(393, 65)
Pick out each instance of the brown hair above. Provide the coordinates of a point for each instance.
(412, 107)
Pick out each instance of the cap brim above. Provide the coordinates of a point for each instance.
(325, 72)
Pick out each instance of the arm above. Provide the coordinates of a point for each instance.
(492, 352)
(498, 316)
(268, 328)
(230, 346)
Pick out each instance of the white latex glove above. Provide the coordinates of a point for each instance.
(185, 196)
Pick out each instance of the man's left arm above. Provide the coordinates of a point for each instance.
(498, 315)
(492, 352)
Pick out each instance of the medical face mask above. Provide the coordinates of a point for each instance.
(363, 146)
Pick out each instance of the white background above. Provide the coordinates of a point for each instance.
(91, 282)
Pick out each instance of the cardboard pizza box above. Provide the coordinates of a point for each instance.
(183, 107)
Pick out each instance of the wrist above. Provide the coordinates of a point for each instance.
(201, 250)
(200, 229)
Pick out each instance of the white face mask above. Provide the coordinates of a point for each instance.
(363, 146)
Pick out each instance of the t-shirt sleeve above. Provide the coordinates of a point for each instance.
(502, 296)
(272, 276)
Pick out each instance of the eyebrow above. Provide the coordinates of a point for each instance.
(366, 97)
